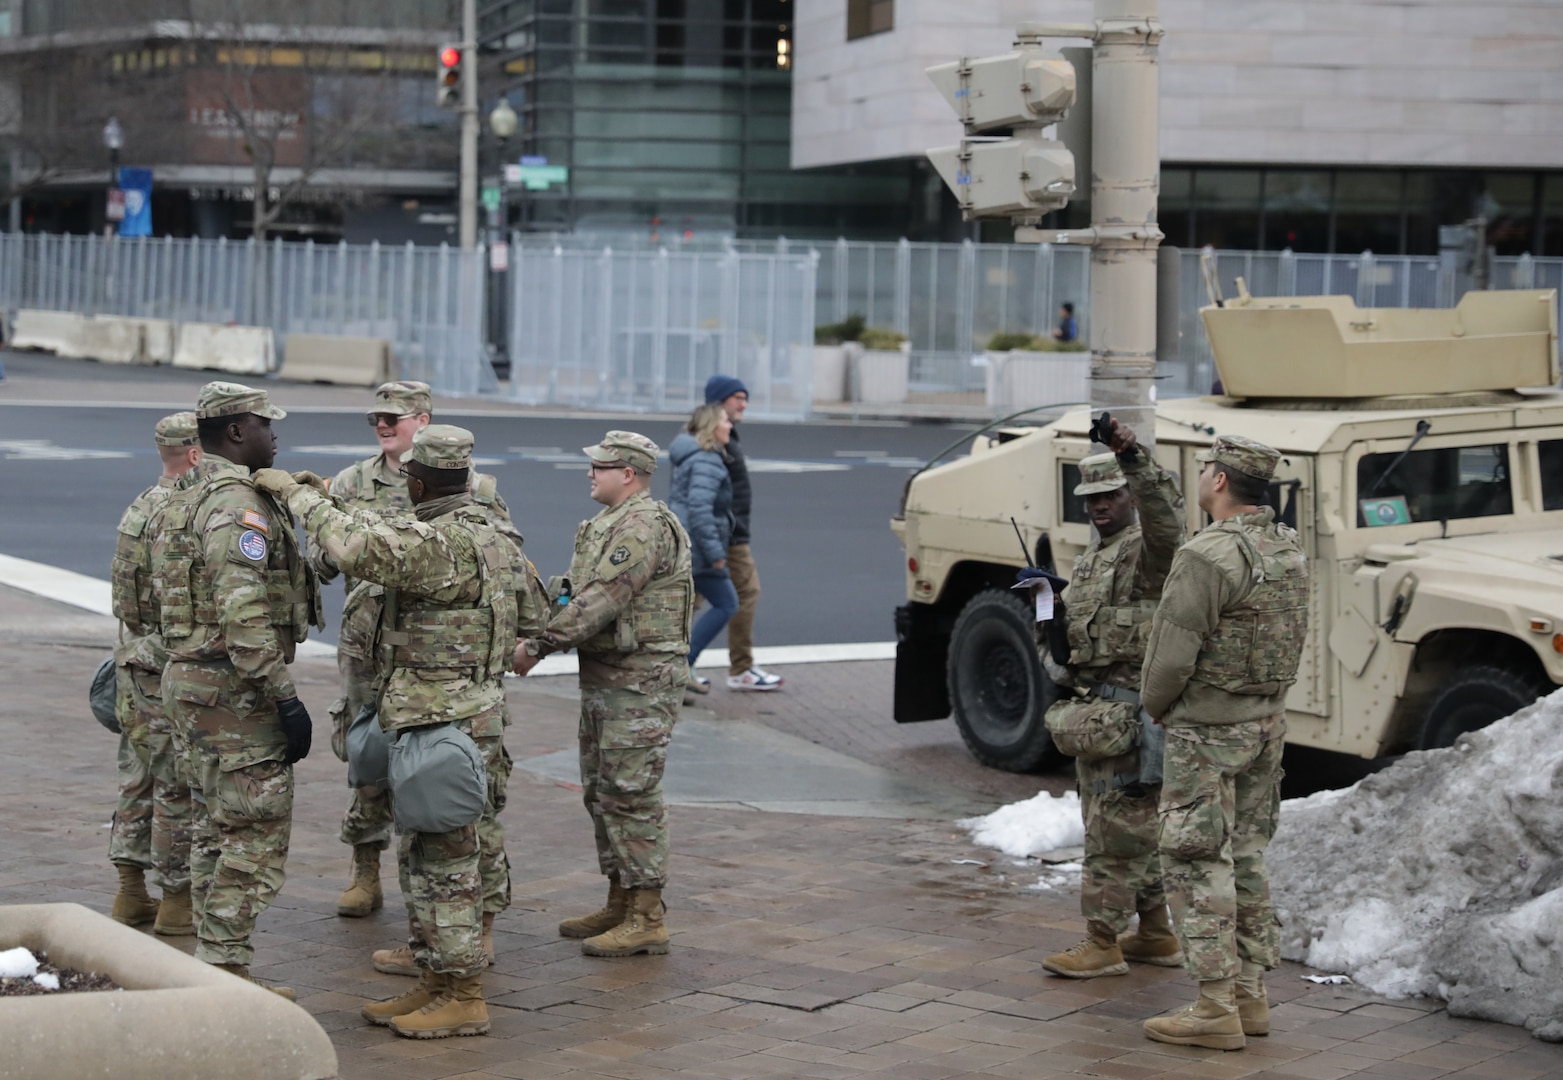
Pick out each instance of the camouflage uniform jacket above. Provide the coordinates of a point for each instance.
(133, 596)
(232, 584)
(630, 600)
(449, 611)
(1112, 594)
(1229, 631)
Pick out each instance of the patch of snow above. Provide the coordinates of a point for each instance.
(1041, 823)
(18, 963)
(1439, 876)
(48, 980)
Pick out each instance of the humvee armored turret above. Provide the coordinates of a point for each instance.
(1425, 481)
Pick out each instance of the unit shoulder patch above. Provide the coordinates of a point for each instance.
(252, 545)
(621, 554)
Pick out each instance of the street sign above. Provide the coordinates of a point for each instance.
(512, 173)
(539, 177)
(490, 199)
(499, 256)
(116, 207)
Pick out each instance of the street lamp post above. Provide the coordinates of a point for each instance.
(114, 141)
(502, 121)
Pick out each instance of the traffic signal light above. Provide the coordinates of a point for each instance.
(447, 74)
(1005, 168)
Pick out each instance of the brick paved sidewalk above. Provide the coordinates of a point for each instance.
(803, 946)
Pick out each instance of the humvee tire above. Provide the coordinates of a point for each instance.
(998, 689)
(1472, 699)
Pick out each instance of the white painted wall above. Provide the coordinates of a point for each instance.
(1325, 82)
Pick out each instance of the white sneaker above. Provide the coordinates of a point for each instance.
(754, 679)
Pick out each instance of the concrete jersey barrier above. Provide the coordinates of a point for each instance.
(238, 350)
(333, 358)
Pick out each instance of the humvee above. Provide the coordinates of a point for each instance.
(1426, 484)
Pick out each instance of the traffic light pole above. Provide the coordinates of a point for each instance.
(469, 125)
(1124, 235)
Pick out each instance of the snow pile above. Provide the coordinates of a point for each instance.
(18, 964)
(1440, 876)
(1042, 823)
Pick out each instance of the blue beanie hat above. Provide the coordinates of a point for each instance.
(721, 387)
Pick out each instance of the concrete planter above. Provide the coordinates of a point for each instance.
(176, 1016)
(833, 370)
(881, 377)
(1019, 380)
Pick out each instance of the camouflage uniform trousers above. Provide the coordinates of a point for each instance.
(1122, 870)
(1220, 801)
(152, 821)
(624, 737)
(443, 879)
(242, 802)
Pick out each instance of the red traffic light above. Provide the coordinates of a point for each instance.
(450, 57)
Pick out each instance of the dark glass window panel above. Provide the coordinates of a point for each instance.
(1441, 485)
(865, 17)
(1074, 505)
(1226, 208)
(1508, 202)
(1551, 453)
(1552, 215)
(1297, 210)
(1367, 211)
(1421, 219)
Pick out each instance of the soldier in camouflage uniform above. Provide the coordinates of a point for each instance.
(152, 821)
(1223, 651)
(455, 589)
(400, 410)
(1109, 602)
(627, 605)
(235, 596)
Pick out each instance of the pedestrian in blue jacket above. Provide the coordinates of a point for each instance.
(702, 497)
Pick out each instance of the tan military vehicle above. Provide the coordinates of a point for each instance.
(1426, 483)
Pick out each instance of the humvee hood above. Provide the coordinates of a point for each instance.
(1542, 550)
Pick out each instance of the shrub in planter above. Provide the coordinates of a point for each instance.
(878, 339)
(849, 329)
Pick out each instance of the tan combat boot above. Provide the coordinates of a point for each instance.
(604, 918)
(430, 985)
(1212, 1021)
(488, 938)
(642, 931)
(364, 894)
(397, 961)
(459, 1010)
(173, 914)
(1095, 956)
(243, 972)
(133, 906)
(1152, 942)
(1253, 1007)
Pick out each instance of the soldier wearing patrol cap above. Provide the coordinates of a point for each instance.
(626, 608)
(398, 412)
(235, 596)
(1108, 606)
(1223, 651)
(152, 821)
(454, 591)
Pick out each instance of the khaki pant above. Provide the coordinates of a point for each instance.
(740, 629)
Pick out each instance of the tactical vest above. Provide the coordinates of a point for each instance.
(133, 597)
(1256, 647)
(478, 635)
(1104, 625)
(659, 617)
(184, 586)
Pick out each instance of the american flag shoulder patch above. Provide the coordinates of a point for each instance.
(256, 521)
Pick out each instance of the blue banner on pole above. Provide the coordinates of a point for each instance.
(136, 183)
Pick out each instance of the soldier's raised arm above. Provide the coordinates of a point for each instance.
(1158, 496)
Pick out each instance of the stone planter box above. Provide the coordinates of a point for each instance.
(882, 377)
(1019, 380)
(176, 1017)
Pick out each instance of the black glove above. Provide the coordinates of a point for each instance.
(295, 727)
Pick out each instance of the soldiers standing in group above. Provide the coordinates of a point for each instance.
(152, 821)
(1224, 648)
(400, 410)
(628, 603)
(235, 595)
(1110, 600)
(455, 589)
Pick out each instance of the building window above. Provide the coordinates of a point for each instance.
(865, 17)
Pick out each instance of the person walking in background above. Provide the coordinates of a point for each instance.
(702, 497)
(1067, 329)
(729, 392)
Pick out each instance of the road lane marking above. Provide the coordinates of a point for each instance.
(94, 595)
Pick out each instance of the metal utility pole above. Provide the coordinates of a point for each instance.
(469, 124)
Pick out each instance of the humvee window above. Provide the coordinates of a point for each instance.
(1074, 505)
(1551, 453)
(1439, 485)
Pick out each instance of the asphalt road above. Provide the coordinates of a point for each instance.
(823, 493)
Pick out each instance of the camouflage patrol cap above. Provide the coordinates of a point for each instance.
(234, 399)
(1099, 473)
(177, 430)
(443, 446)
(1245, 455)
(404, 398)
(625, 448)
